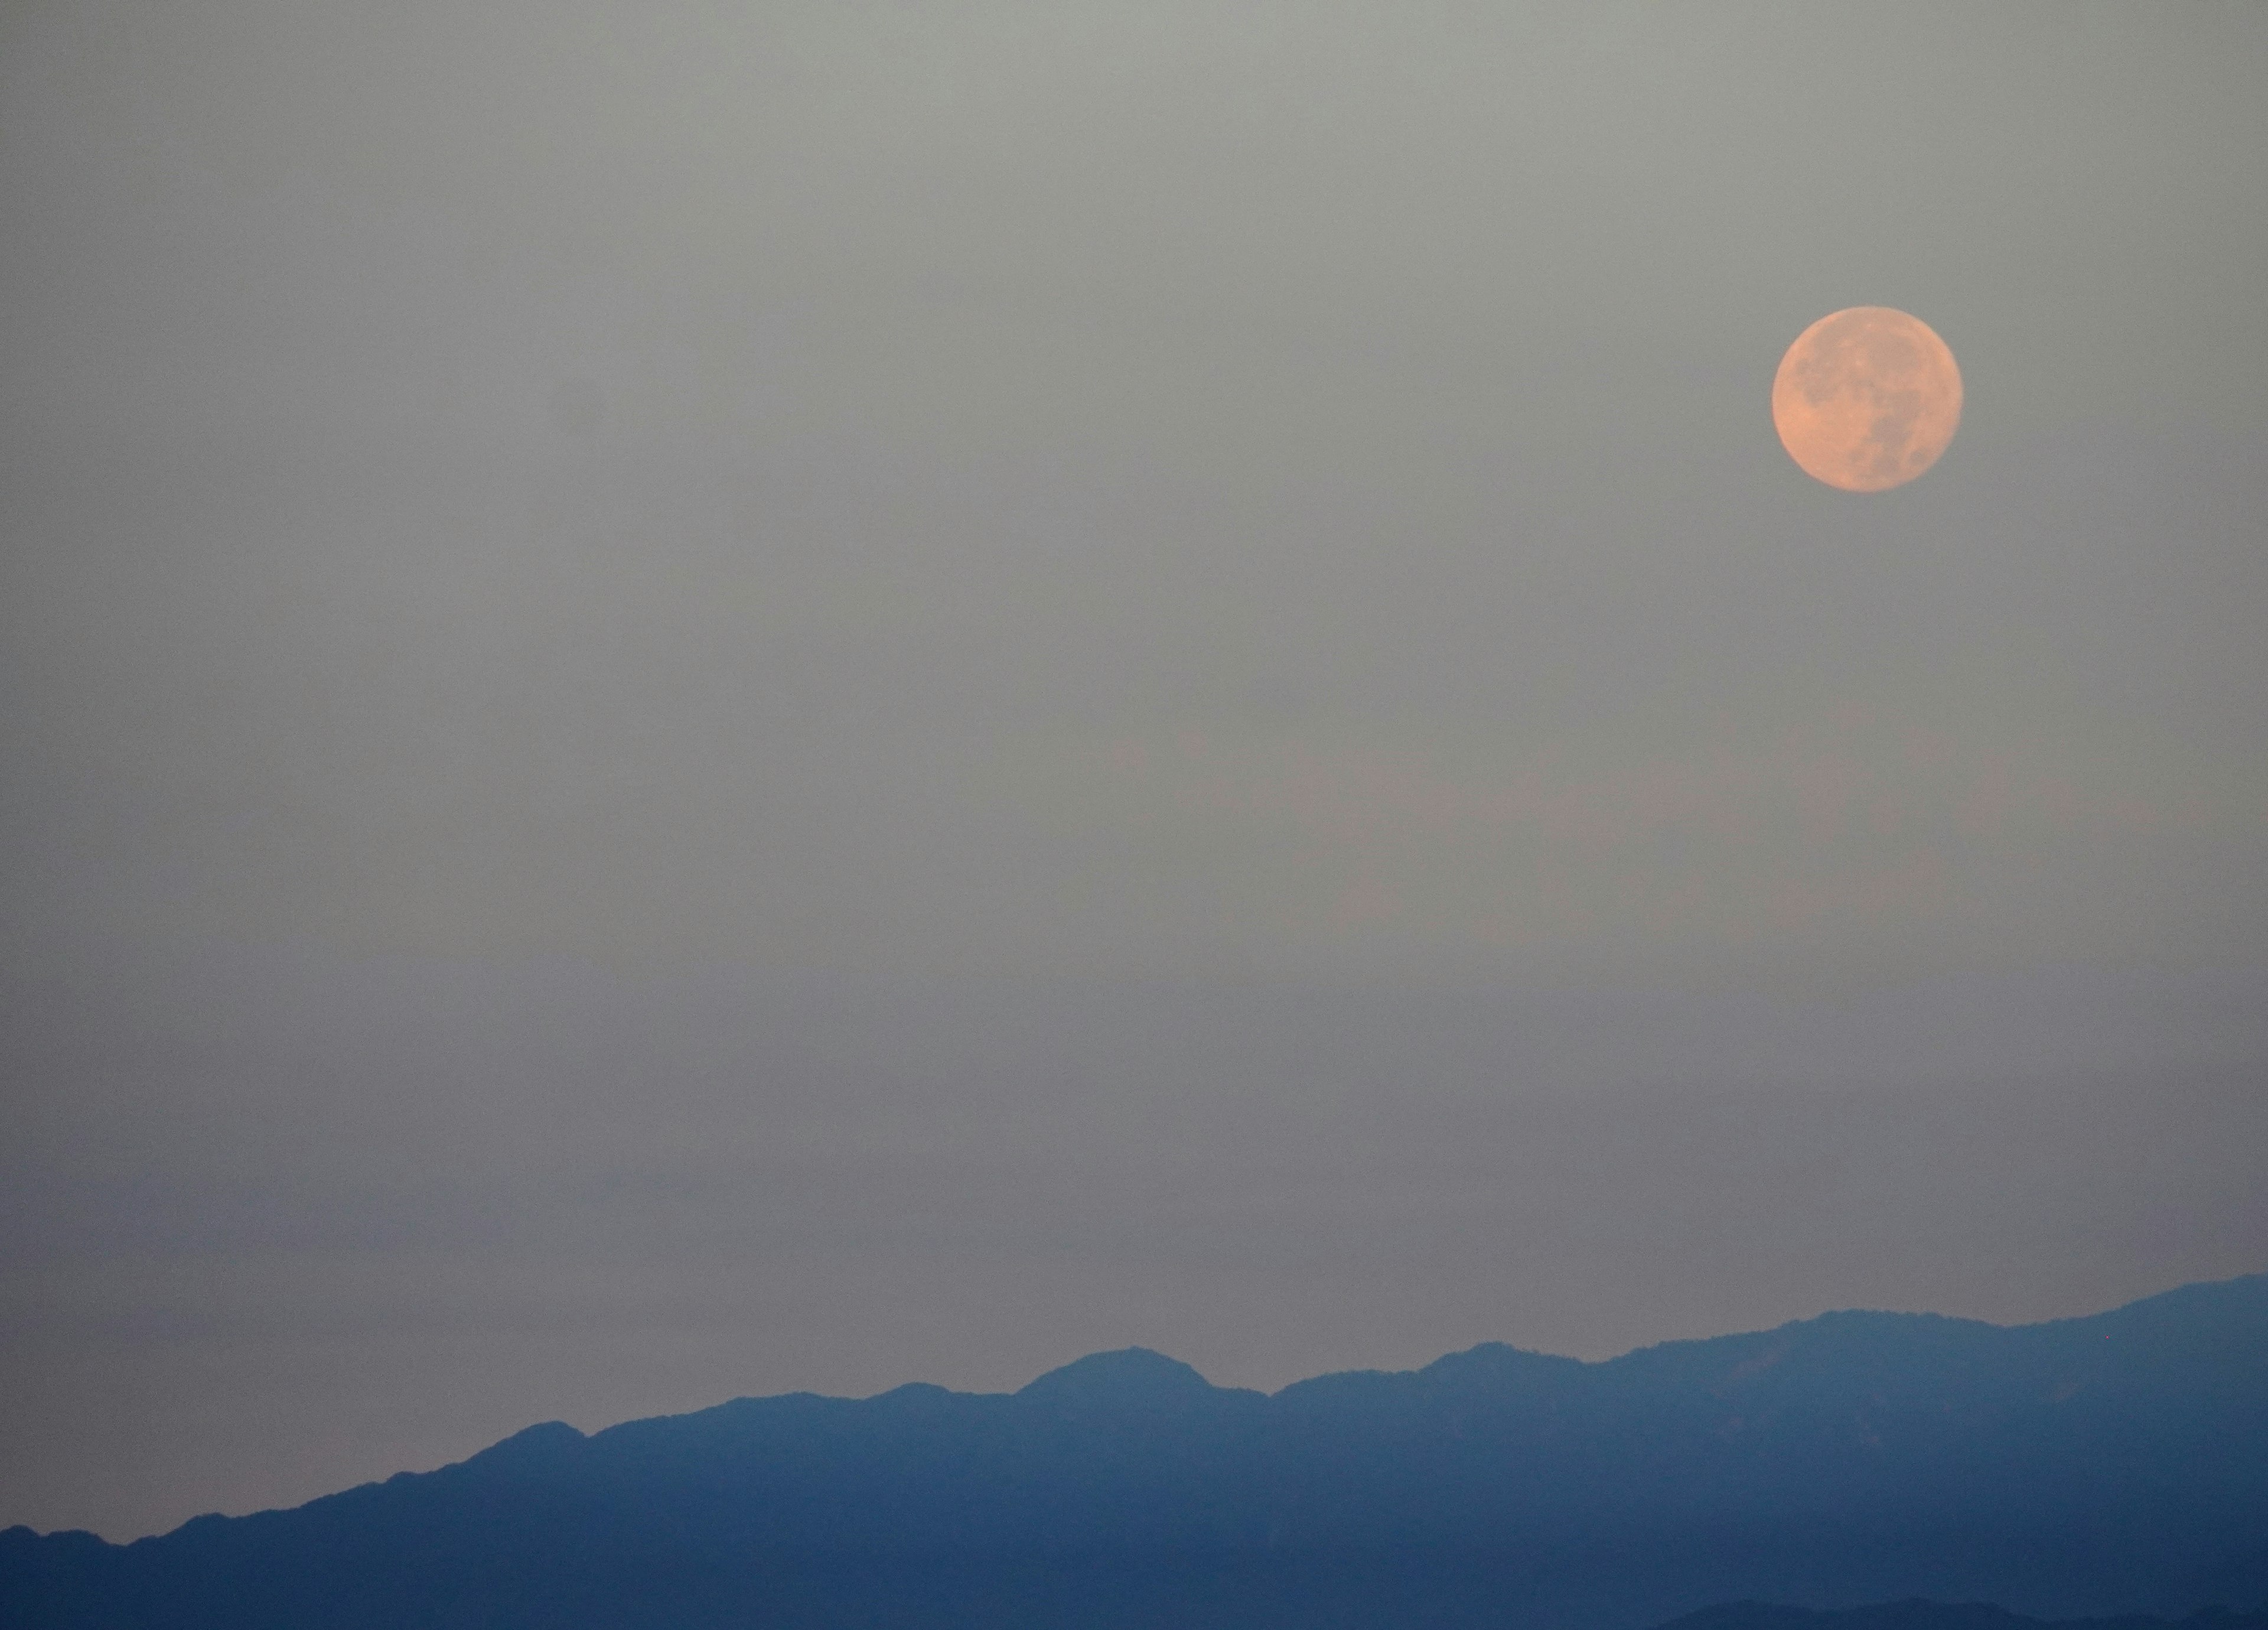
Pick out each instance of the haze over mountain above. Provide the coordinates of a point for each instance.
(2116, 1464)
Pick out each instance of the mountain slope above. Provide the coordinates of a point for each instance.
(2116, 1463)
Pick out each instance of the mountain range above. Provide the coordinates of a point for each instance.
(2116, 1464)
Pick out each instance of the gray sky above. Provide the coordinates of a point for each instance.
(701, 700)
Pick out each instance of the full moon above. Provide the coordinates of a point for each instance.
(1866, 398)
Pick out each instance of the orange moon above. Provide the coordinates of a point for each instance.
(1866, 398)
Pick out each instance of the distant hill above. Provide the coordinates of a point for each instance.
(2116, 1465)
(1920, 1615)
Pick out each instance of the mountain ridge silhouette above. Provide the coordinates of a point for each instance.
(2111, 1463)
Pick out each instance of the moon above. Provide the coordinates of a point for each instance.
(1866, 398)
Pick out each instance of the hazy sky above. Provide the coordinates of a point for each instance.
(704, 699)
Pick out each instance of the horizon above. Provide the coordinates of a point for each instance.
(1855, 1457)
(1666, 1341)
(1087, 1359)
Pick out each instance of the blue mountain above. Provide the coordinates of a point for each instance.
(2115, 1465)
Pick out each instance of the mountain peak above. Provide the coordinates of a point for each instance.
(536, 1445)
(1130, 1376)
